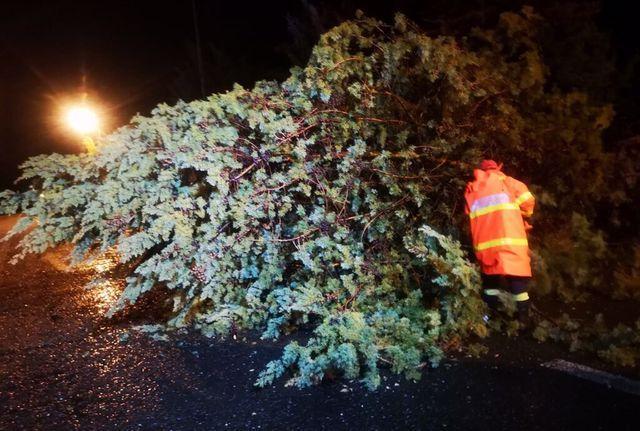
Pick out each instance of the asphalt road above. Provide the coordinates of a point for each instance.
(63, 366)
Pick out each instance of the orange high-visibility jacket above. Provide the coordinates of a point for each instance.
(496, 204)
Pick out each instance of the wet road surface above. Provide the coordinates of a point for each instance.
(63, 366)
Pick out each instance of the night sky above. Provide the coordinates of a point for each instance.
(138, 53)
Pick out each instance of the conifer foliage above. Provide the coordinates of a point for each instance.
(331, 199)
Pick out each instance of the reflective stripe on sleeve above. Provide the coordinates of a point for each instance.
(501, 241)
(523, 198)
(520, 297)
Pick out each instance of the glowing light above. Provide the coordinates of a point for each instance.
(82, 120)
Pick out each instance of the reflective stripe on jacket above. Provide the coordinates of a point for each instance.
(496, 204)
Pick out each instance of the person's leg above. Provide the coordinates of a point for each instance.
(490, 290)
(519, 291)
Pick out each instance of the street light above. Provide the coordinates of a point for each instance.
(83, 120)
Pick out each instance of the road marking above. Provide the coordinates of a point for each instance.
(613, 381)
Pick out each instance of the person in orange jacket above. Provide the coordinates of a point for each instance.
(499, 207)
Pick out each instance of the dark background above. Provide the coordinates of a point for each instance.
(135, 54)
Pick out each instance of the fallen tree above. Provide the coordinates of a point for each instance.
(334, 197)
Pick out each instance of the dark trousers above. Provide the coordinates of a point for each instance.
(516, 286)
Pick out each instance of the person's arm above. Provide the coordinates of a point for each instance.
(467, 191)
(523, 197)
